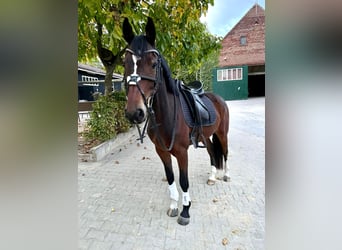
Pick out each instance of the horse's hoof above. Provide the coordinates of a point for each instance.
(183, 221)
(172, 212)
(226, 178)
(210, 182)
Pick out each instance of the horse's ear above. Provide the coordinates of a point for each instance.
(127, 31)
(150, 31)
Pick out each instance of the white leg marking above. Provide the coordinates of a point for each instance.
(212, 176)
(186, 198)
(174, 195)
(226, 169)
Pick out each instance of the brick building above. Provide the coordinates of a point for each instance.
(241, 70)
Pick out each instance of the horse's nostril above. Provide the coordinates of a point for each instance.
(140, 114)
(136, 117)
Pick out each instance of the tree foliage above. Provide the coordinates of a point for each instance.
(181, 37)
(107, 118)
(204, 73)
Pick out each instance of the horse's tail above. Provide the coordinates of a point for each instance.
(218, 152)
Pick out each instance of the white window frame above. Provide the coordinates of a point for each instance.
(224, 75)
(90, 80)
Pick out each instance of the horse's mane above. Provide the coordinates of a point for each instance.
(139, 45)
(169, 81)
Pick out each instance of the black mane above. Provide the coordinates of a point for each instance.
(169, 81)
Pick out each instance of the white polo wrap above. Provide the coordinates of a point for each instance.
(174, 195)
(186, 198)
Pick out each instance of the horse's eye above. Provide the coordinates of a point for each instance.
(154, 65)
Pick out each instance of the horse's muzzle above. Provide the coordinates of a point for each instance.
(138, 116)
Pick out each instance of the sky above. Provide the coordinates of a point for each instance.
(223, 16)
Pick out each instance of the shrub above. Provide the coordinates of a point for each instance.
(107, 118)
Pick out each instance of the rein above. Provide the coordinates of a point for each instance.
(133, 80)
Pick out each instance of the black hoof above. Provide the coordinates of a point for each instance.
(172, 212)
(226, 178)
(183, 221)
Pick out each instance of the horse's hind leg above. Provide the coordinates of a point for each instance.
(174, 195)
(226, 176)
(218, 151)
(223, 138)
(210, 149)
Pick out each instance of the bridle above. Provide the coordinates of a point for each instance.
(134, 79)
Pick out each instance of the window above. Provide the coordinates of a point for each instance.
(229, 74)
(90, 81)
(239, 76)
(219, 74)
(243, 40)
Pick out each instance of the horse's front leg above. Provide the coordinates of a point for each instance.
(182, 159)
(174, 195)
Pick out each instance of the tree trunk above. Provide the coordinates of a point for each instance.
(109, 60)
(108, 78)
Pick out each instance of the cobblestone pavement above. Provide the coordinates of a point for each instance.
(123, 199)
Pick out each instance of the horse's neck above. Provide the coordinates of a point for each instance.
(164, 106)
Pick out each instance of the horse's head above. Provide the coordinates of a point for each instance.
(142, 69)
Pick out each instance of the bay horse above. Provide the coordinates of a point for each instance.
(152, 95)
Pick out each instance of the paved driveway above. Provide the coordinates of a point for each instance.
(123, 199)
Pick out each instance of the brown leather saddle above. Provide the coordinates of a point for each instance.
(197, 108)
